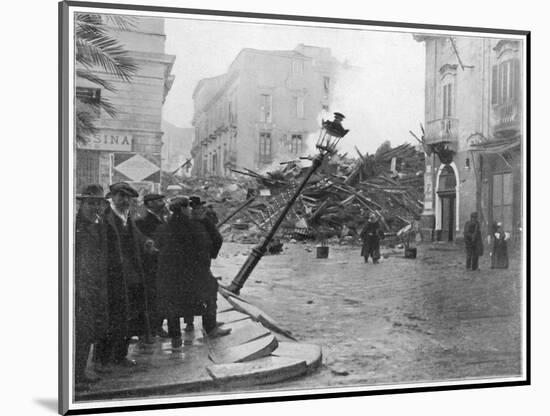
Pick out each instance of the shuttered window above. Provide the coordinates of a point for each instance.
(503, 199)
(296, 144)
(505, 82)
(448, 109)
(265, 147)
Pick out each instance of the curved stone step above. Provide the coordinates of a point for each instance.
(242, 332)
(310, 353)
(266, 370)
(248, 351)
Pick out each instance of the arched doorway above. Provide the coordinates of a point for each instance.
(446, 195)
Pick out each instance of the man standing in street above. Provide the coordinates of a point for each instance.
(204, 286)
(473, 242)
(371, 236)
(91, 306)
(155, 206)
(128, 309)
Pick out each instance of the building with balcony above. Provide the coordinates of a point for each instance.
(128, 146)
(473, 134)
(262, 110)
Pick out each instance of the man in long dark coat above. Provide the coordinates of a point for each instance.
(128, 307)
(371, 236)
(473, 242)
(155, 206)
(91, 306)
(186, 286)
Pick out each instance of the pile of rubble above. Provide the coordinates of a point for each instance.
(333, 206)
(336, 201)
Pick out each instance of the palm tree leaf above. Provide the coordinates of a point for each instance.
(95, 79)
(121, 22)
(85, 127)
(108, 54)
(109, 108)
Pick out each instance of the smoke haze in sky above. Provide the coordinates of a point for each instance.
(382, 95)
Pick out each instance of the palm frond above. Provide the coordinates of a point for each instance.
(93, 106)
(121, 22)
(95, 46)
(109, 108)
(95, 79)
(107, 53)
(85, 127)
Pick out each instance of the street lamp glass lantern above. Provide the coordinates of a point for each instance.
(330, 134)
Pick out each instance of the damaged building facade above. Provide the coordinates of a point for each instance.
(261, 110)
(128, 146)
(473, 135)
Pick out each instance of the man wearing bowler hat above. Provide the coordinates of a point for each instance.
(155, 205)
(127, 301)
(91, 306)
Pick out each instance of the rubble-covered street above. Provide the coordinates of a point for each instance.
(399, 321)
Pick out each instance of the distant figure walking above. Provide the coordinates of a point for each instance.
(499, 255)
(371, 236)
(473, 242)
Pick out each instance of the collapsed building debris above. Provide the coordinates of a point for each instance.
(333, 206)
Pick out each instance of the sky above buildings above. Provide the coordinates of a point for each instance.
(382, 99)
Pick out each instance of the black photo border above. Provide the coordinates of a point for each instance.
(63, 205)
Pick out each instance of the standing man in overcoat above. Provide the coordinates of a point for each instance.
(128, 307)
(91, 305)
(473, 242)
(371, 236)
(155, 206)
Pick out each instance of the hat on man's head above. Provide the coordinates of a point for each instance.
(195, 201)
(178, 202)
(91, 191)
(372, 217)
(152, 197)
(124, 188)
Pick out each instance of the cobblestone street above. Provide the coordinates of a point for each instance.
(396, 322)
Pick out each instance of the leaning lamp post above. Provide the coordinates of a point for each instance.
(329, 136)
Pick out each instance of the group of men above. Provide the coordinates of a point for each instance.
(130, 274)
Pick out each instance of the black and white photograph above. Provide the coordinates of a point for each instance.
(262, 207)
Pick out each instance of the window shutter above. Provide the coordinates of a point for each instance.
(494, 85)
(516, 79)
(450, 98)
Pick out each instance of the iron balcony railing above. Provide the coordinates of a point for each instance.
(442, 130)
(507, 116)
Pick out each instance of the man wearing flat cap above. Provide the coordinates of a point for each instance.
(91, 305)
(127, 300)
(155, 206)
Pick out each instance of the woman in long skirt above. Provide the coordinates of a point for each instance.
(499, 256)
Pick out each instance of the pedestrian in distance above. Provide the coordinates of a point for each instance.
(499, 255)
(91, 304)
(371, 236)
(473, 242)
(156, 212)
(128, 309)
